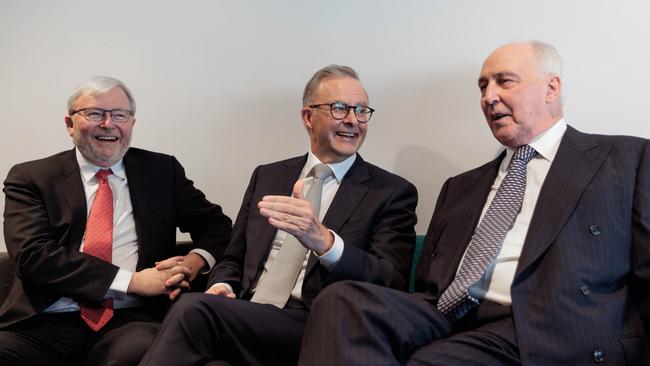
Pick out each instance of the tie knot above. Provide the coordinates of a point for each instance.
(102, 174)
(524, 153)
(321, 171)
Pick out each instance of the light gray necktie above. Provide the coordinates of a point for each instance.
(281, 277)
(488, 237)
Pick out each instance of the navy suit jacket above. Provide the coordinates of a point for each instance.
(582, 286)
(373, 212)
(45, 219)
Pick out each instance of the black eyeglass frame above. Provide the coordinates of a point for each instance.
(349, 107)
(110, 111)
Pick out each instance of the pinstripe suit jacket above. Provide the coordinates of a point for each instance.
(581, 291)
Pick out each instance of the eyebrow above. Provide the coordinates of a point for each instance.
(498, 75)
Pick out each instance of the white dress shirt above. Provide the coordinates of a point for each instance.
(497, 280)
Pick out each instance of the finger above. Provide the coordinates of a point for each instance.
(285, 212)
(175, 280)
(174, 294)
(168, 263)
(297, 189)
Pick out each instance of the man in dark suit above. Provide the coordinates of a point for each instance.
(568, 281)
(92, 232)
(366, 234)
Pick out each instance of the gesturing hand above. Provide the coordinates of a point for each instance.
(295, 215)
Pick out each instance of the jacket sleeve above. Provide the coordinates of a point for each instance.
(37, 235)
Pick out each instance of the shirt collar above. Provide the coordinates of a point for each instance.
(547, 143)
(89, 170)
(339, 169)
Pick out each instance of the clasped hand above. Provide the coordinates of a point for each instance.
(295, 215)
(169, 276)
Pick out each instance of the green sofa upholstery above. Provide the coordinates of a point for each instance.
(417, 251)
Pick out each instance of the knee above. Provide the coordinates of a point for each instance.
(341, 294)
(125, 345)
(189, 303)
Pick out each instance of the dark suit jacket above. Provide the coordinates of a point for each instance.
(582, 285)
(373, 212)
(45, 219)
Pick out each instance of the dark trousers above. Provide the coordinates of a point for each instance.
(205, 329)
(355, 323)
(65, 339)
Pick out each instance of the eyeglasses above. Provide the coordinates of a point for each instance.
(341, 110)
(99, 115)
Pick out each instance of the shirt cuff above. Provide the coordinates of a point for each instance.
(332, 257)
(209, 259)
(120, 283)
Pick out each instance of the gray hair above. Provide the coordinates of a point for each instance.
(99, 85)
(325, 72)
(549, 61)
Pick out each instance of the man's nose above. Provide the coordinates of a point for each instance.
(490, 95)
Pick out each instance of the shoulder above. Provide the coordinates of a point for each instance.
(142, 154)
(292, 163)
(54, 164)
(616, 142)
(382, 176)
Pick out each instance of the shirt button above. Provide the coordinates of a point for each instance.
(598, 356)
(585, 290)
(595, 230)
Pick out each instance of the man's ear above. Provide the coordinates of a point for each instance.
(69, 125)
(554, 88)
(305, 114)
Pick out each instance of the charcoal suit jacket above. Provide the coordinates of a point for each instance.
(373, 212)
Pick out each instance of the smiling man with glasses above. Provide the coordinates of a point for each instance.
(287, 245)
(92, 232)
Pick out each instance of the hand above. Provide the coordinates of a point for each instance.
(153, 282)
(194, 262)
(221, 290)
(295, 215)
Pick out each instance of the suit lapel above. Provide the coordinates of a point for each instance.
(576, 162)
(136, 175)
(462, 223)
(261, 233)
(72, 187)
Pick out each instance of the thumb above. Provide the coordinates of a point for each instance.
(297, 189)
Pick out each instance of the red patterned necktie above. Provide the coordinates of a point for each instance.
(99, 243)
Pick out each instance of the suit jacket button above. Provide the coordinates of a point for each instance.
(598, 355)
(585, 290)
(434, 254)
(595, 230)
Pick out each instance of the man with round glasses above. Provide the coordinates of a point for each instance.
(92, 232)
(360, 226)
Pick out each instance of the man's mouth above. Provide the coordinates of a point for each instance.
(349, 135)
(497, 116)
(106, 138)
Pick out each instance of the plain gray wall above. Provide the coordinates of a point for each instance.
(218, 83)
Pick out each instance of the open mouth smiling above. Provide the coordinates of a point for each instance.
(106, 138)
(349, 135)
